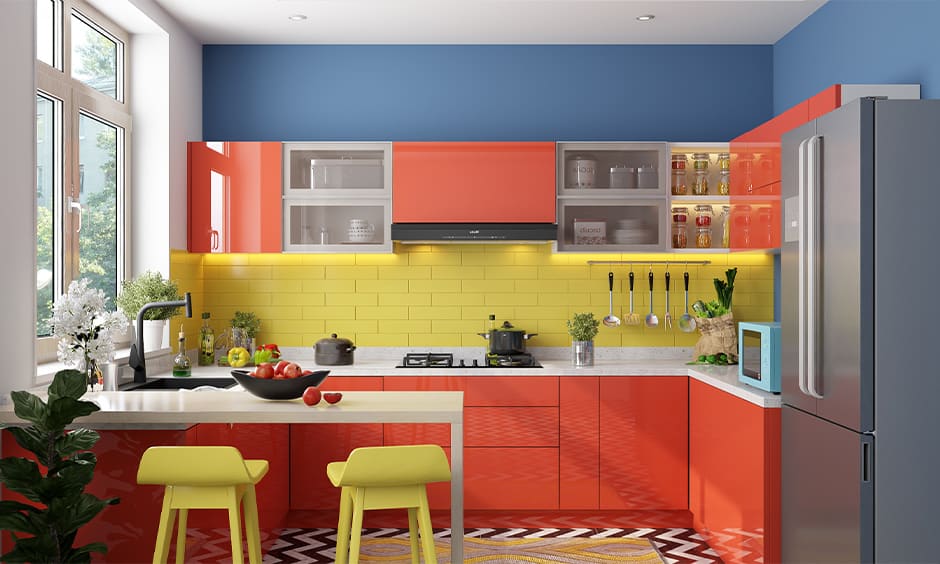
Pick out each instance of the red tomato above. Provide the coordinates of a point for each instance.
(312, 395)
(293, 370)
(332, 397)
(264, 370)
(279, 367)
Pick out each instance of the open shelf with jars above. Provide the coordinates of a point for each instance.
(337, 197)
(699, 197)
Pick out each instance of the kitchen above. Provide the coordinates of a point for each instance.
(770, 75)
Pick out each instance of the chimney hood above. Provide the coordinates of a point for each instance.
(474, 232)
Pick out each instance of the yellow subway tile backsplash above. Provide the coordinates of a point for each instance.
(441, 295)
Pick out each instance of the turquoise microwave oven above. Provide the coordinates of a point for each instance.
(759, 355)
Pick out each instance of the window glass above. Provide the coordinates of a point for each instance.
(94, 57)
(45, 31)
(98, 190)
(46, 175)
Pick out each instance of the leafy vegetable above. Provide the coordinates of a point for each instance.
(725, 289)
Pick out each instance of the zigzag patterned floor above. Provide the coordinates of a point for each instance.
(314, 546)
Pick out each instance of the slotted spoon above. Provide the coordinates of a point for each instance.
(667, 319)
(611, 320)
(651, 320)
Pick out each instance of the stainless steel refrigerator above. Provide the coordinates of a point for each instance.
(859, 321)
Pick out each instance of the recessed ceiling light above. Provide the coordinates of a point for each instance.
(645, 18)
(297, 17)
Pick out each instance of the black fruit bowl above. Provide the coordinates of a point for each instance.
(279, 389)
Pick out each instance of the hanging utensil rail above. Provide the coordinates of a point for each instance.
(650, 262)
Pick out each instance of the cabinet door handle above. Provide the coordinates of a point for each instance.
(213, 239)
(801, 267)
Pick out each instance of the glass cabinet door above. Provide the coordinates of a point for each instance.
(612, 225)
(333, 226)
(622, 169)
(337, 169)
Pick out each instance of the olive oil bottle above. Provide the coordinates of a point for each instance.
(181, 364)
(206, 342)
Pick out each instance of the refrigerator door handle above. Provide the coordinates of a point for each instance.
(811, 267)
(801, 267)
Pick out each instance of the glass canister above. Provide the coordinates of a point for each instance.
(765, 219)
(742, 226)
(724, 174)
(726, 226)
(700, 166)
(703, 237)
(679, 186)
(703, 215)
(680, 234)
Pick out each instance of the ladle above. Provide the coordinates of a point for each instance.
(667, 319)
(651, 319)
(611, 320)
(686, 321)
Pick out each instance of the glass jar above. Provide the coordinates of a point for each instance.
(703, 215)
(724, 161)
(680, 236)
(679, 186)
(703, 237)
(726, 226)
(700, 165)
(765, 220)
(724, 182)
(680, 214)
(742, 226)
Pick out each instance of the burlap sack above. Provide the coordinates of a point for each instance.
(718, 335)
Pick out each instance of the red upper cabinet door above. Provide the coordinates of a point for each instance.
(234, 197)
(473, 182)
(644, 442)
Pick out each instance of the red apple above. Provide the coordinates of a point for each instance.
(332, 397)
(265, 371)
(280, 366)
(293, 370)
(312, 395)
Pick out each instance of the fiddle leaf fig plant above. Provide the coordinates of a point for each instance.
(583, 327)
(59, 505)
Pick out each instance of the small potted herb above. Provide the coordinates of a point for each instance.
(582, 328)
(245, 327)
(150, 286)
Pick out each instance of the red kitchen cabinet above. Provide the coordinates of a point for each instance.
(234, 197)
(519, 391)
(314, 445)
(734, 474)
(414, 433)
(264, 441)
(644, 442)
(511, 478)
(579, 442)
(511, 182)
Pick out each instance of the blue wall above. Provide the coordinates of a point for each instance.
(853, 42)
(485, 92)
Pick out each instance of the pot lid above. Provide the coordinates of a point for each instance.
(507, 326)
(334, 340)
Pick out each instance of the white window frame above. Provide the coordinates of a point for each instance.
(73, 99)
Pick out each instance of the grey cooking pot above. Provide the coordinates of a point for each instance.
(507, 339)
(334, 351)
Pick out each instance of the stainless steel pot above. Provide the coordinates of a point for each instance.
(334, 351)
(507, 339)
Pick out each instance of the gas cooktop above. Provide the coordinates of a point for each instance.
(446, 360)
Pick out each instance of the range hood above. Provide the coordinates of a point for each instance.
(474, 232)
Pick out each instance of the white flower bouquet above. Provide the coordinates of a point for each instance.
(85, 327)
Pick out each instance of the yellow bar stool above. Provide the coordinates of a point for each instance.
(204, 477)
(388, 477)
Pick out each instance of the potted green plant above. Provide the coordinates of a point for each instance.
(148, 287)
(245, 327)
(583, 328)
(59, 505)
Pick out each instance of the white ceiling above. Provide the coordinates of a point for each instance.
(490, 21)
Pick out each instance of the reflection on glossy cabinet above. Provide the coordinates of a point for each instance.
(457, 182)
(234, 197)
(579, 442)
(511, 478)
(734, 473)
(314, 445)
(644, 442)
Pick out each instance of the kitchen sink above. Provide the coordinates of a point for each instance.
(170, 384)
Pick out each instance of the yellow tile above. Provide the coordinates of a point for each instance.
(322, 312)
(292, 326)
(433, 259)
(457, 299)
(484, 286)
(404, 272)
(563, 299)
(379, 259)
(551, 286)
(513, 299)
(608, 337)
(436, 340)
(295, 300)
(344, 327)
(351, 272)
(404, 299)
(273, 314)
(457, 272)
(213, 259)
(275, 259)
(238, 271)
(280, 286)
(382, 286)
(298, 272)
(488, 259)
(227, 285)
(330, 286)
(537, 259)
(380, 340)
(357, 299)
(433, 286)
(285, 339)
(434, 312)
(542, 312)
(460, 248)
(382, 312)
(564, 272)
(468, 340)
(329, 259)
(553, 325)
(483, 312)
(456, 326)
(249, 299)
(390, 326)
(553, 340)
(512, 272)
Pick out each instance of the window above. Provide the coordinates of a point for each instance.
(83, 128)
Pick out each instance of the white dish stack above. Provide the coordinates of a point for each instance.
(361, 231)
(630, 231)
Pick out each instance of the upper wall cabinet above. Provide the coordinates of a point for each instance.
(456, 182)
(337, 197)
(234, 197)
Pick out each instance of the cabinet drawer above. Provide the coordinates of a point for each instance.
(511, 426)
(517, 391)
(511, 478)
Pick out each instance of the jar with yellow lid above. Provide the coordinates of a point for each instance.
(700, 166)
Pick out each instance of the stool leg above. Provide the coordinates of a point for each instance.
(235, 526)
(252, 528)
(181, 536)
(424, 523)
(356, 527)
(167, 517)
(413, 535)
(342, 530)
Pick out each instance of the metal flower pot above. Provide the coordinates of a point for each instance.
(582, 353)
